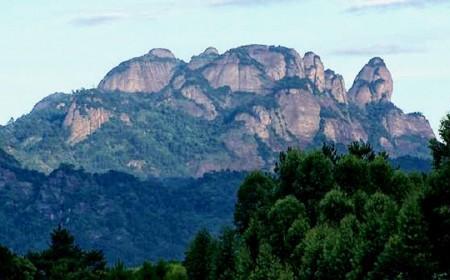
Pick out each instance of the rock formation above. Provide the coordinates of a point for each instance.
(314, 70)
(335, 86)
(373, 83)
(204, 58)
(149, 73)
(235, 110)
(82, 125)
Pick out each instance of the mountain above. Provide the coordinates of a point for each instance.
(158, 115)
(127, 218)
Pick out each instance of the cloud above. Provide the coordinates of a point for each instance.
(98, 19)
(220, 3)
(108, 17)
(381, 5)
(378, 50)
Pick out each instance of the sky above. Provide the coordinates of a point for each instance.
(52, 46)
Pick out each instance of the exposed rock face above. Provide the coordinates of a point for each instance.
(194, 93)
(314, 70)
(273, 63)
(149, 73)
(257, 123)
(301, 112)
(340, 131)
(254, 68)
(399, 124)
(162, 53)
(80, 125)
(235, 110)
(334, 84)
(232, 71)
(373, 83)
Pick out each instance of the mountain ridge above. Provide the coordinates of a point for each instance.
(158, 115)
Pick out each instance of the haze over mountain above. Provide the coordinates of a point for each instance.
(156, 114)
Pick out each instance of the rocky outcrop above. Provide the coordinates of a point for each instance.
(82, 125)
(301, 112)
(258, 122)
(373, 83)
(207, 108)
(399, 124)
(335, 86)
(149, 73)
(341, 131)
(233, 71)
(314, 70)
(203, 59)
(254, 68)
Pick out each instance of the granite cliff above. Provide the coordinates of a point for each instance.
(159, 115)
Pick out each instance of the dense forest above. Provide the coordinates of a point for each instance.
(330, 216)
(127, 217)
(320, 215)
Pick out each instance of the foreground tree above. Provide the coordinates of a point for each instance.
(13, 267)
(441, 150)
(224, 257)
(198, 261)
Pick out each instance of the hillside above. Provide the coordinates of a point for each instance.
(127, 218)
(158, 115)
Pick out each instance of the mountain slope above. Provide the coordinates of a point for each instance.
(127, 218)
(159, 115)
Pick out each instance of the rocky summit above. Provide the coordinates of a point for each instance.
(160, 115)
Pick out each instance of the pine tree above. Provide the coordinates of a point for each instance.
(198, 257)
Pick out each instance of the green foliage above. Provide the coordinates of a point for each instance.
(441, 150)
(224, 257)
(198, 260)
(281, 217)
(334, 206)
(128, 218)
(407, 253)
(152, 137)
(351, 216)
(352, 173)
(361, 150)
(293, 83)
(65, 259)
(176, 272)
(13, 267)
(269, 267)
(253, 197)
(436, 208)
(321, 216)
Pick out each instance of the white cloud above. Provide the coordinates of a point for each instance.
(97, 19)
(89, 19)
(219, 3)
(364, 5)
(379, 50)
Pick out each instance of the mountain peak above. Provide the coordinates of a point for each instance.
(314, 70)
(210, 51)
(149, 73)
(376, 61)
(162, 53)
(372, 84)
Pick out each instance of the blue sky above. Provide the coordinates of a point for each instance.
(50, 46)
